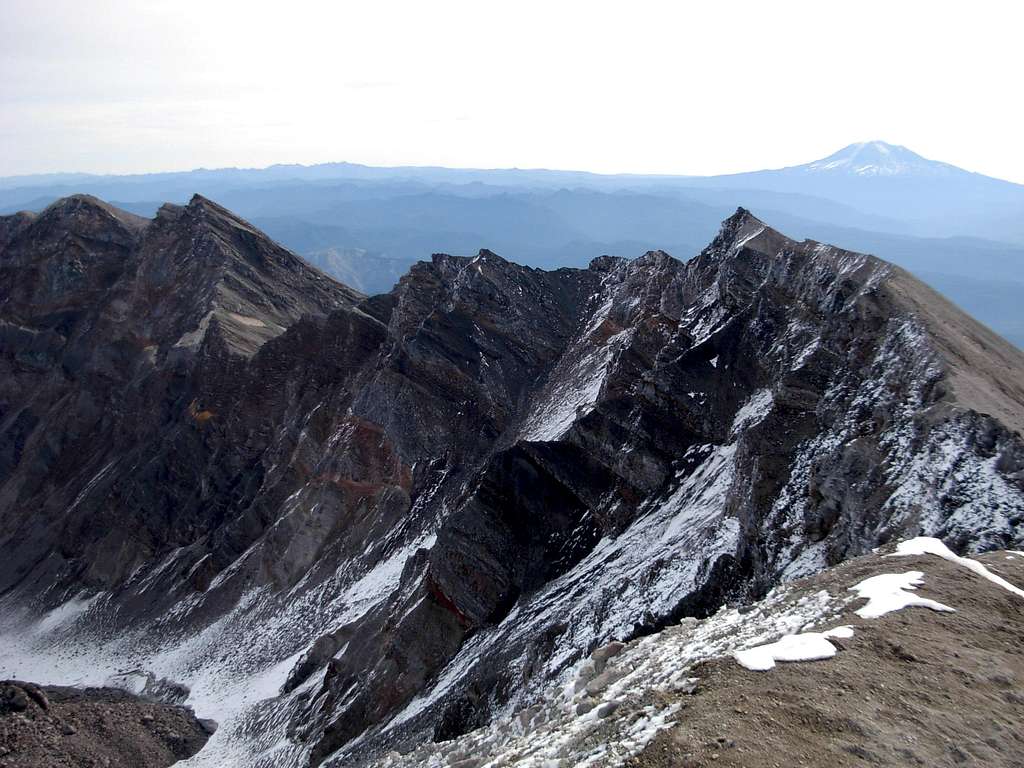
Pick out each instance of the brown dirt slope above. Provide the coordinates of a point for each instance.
(912, 688)
(986, 371)
(56, 727)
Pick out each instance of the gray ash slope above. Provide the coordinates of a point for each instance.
(350, 524)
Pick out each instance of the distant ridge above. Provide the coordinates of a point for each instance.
(865, 158)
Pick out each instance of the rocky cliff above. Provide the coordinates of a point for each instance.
(353, 524)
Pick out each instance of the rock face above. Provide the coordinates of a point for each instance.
(110, 325)
(351, 524)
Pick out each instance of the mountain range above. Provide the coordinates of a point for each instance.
(350, 527)
(959, 231)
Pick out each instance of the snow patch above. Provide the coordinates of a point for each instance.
(890, 592)
(806, 646)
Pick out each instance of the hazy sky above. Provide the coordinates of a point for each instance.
(665, 87)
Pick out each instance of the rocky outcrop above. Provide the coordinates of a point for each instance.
(60, 727)
(396, 517)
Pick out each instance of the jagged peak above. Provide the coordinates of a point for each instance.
(485, 254)
(741, 230)
(203, 212)
(200, 202)
(231, 276)
(745, 244)
(204, 209)
(447, 259)
(655, 258)
(741, 218)
(169, 211)
(80, 203)
(606, 263)
(446, 263)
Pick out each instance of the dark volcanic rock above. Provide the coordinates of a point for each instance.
(405, 513)
(112, 329)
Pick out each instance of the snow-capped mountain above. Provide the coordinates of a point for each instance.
(877, 158)
(354, 524)
(927, 197)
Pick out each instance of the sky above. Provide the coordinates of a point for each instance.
(111, 86)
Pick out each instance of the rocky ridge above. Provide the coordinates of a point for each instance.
(371, 522)
(878, 694)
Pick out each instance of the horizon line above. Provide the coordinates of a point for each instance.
(468, 168)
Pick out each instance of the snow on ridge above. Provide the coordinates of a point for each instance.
(591, 717)
(949, 488)
(574, 393)
(927, 545)
(599, 714)
(900, 388)
(885, 593)
(876, 158)
(746, 238)
(602, 699)
(938, 482)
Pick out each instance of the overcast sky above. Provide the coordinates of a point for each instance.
(660, 87)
